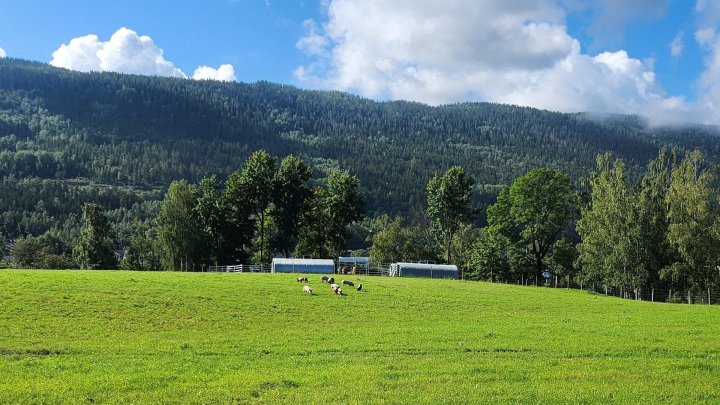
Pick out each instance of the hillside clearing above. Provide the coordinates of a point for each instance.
(84, 336)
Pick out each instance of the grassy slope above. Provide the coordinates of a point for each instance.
(180, 337)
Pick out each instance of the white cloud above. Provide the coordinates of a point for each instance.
(708, 38)
(440, 51)
(125, 52)
(677, 45)
(3, 54)
(128, 52)
(705, 36)
(80, 54)
(313, 43)
(225, 73)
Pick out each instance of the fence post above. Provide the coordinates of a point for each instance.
(652, 295)
(708, 296)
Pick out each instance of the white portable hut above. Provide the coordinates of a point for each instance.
(423, 270)
(289, 265)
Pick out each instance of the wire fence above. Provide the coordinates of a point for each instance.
(706, 296)
(373, 269)
(641, 294)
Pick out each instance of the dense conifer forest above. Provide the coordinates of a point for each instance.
(118, 140)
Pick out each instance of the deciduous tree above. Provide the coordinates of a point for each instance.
(141, 252)
(448, 198)
(693, 224)
(94, 248)
(256, 182)
(344, 204)
(210, 209)
(314, 236)
(388, 239)
(291, 194)
(610, 252)
(532, 214)
(179, 233)
(47, 251)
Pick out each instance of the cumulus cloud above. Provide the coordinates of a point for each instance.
(225, 73)
(677, 45)
(3, 54)
(127, 52)
(440, 51)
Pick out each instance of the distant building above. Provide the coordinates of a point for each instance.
(290, 265)
(423, 270)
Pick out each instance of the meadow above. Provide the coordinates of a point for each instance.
(144, 337)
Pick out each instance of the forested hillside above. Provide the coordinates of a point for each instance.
(119, 140)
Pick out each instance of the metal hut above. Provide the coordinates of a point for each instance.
(423, 270)
(288, 265)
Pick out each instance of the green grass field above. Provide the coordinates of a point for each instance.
(132, 337)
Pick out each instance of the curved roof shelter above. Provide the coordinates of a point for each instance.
(423, 270)
(292, 265)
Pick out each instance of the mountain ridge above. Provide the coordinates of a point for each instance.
(145, 131)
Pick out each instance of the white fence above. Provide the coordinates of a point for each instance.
(241, 268)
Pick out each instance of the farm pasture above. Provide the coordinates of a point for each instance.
(145, 337)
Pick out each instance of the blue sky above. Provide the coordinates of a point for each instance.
(564, 55)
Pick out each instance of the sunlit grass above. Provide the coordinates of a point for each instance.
(78, 337)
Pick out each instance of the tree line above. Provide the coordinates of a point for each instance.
(658, 232)
(69, 138)
(262, 210)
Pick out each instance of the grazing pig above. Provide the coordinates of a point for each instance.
(339, 291)
(334, 287)
(331, 280)
(348, 282)
(324, 279)
(302, 279)
(359, 287)
(307, 290)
